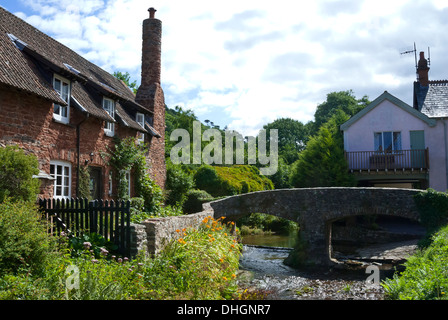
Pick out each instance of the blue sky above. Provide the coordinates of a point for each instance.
(243, 64)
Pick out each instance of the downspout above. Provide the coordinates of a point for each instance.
(78, 151)
(446, 152)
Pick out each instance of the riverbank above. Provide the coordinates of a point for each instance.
(262, 271)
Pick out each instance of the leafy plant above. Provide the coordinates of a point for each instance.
(92, 243)
(16, 174)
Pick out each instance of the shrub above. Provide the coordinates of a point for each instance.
(178, 183)
(195, 199)
(226, 181)
(426, 273)
(433, 209)
(16, 174)
(24, 242)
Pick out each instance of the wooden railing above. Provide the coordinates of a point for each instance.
(395, 160)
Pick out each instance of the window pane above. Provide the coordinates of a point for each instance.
(57, 85)
(58, 191)
(65, 191)
(59, 170)
(397, 140)
(378, 141)
(387, 140)
(52, 169)
(57, 108)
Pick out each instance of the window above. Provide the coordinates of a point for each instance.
(387, 141)
(62, 87)
(61, 172)
(109, 106)
(140, 118)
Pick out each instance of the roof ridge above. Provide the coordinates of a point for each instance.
(438, 82)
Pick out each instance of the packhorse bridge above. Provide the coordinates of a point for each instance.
(315, 209)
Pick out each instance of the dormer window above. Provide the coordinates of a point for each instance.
(62, 87)
(140, 118)
(109, 107)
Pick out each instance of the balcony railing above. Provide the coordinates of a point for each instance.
(394, 160)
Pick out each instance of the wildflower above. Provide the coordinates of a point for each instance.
(233, 275)
(126, 258)
(87, 245)
(221, 260)
(225, 234)
(94, 261)
(224, 278)
(177, 230)
(140, 264)
(184, 229)
(104, 252)
(120, 260)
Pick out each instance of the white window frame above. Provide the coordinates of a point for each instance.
(382, 142)
(140, 119)
(109, 107)
(58, 116)
(62, 188)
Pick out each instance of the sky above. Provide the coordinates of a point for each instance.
(243, 64)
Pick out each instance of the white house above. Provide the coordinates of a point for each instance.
(390, 143)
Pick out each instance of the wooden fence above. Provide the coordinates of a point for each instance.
(78, 216)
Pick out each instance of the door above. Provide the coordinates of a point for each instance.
(95, 182)
(418, 149)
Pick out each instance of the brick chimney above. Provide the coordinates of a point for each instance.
(150, 93)
(422, 70)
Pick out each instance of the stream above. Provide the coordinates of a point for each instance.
(262, 271)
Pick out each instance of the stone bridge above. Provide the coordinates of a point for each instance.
(315, 209)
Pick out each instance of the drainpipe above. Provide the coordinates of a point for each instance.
(446, 151)
(78, 151)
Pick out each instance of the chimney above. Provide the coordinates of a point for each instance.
(151, 50)
(422, 70)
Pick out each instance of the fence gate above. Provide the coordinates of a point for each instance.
(110, 219)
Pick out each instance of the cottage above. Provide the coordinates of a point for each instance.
(65, 110)
(392, 144)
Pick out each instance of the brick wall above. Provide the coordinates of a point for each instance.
(27, 121)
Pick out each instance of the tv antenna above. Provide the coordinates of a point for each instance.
(414, 50)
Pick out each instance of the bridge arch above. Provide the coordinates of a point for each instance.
(315, 209)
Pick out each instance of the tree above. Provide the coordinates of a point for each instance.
(292, 137)
(322, 163)
(344, 101)
(126, 78)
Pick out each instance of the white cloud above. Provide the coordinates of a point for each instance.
(250, 62)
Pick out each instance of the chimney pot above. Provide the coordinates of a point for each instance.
(152, 12)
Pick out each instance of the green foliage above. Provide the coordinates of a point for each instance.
(195, 199)
(126, 78)
(322, 163)
(292, 137)
(92, 242)
(226, 181)
(84, 183)
(426, 273)
(433, 209)
(178, 183)
(23, 238)
(267, 223)
(16, 174)
(201, 264)
(344, 101)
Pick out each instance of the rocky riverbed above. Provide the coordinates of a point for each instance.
(264, 275)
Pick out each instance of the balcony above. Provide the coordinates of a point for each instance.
(398, 160)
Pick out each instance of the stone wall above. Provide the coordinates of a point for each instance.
(151, 236)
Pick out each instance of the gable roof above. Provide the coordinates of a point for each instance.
(397, 102)
(433, 99)
(29, 58)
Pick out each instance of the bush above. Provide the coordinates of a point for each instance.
(227, 181)
(426, 273)
(24, 242)
(195, 199)
(433, 209)
(16, 174)
(178, 183)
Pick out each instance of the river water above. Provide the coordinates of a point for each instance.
(263, 272)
